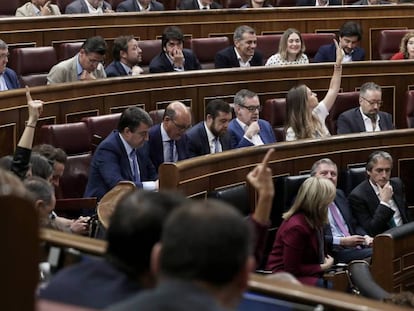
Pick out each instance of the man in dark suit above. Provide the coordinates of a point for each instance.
(92, 7)
(367, 117)
(204, 261)
(243, 53)
(8, 78)
(198, 5)
(123, 155)
(173, 56)
(127, 55)
(210, 135)
(139, 6)
(135, 227)
(167, 142)
(318, 2)
(345, 239)
(247, 129)
(379, 203)
(371, 2)
(350, 35)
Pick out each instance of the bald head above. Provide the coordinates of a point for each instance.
(176, 120)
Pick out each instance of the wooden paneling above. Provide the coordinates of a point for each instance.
(68, 102)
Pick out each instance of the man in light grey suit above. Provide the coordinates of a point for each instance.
(86, 65)
(38, 8)
(88, 6)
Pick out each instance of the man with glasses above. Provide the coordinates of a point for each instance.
(85, 65)
(247, 129)
(123, 156)
(8, 78)
(167, 141)
(367, 117)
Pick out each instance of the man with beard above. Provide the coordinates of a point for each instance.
(211, 136)
(247, 129)
(243, 53)
(366, 117)
(8, 78)
(350, 35)
(127, 55)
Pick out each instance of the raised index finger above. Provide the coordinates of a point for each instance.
(28, 96)
(267, 156)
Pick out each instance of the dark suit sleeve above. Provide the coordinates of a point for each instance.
(373, 222)
(122, 7)
(343, 124)
(322, 55)
(158, 6)
(185, 5)
(303, 3)
(221, 61)
(158, 64)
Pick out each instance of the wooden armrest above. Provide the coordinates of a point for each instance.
(75, 204)
(81, 243)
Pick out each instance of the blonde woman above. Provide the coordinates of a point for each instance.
(299, 244)
(406, 48)
(305, 115)
(291, 50)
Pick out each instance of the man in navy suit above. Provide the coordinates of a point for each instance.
(243, 53)
(127, 55)
(350, 35)
(139, 6)
(173, 56)
(88, 6)
(123, 155)
(135, 227)
(8, 78)
(378, 203)
(198, 5)
(210, 135)
(352, 244)
(247, 129)
(367, 117)
(167, 142)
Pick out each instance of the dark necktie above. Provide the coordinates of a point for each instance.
(133, 157)
(171, 144)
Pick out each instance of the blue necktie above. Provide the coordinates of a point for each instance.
(133, 156)
(171, 142)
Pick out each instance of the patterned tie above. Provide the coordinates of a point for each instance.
(216, 145)
(338, 220)
(133, 157)
(171, 142)
(321, 245)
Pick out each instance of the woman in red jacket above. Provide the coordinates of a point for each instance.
(299, 246)
(406, 48)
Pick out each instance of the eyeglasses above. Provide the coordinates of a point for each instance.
(372, 103)
(180, 126)
(3, 56)
(251, 108)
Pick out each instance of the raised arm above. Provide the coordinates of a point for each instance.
(335, 80)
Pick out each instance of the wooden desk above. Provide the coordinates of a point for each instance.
(197, 176)
(52, 30)
(69, 102)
